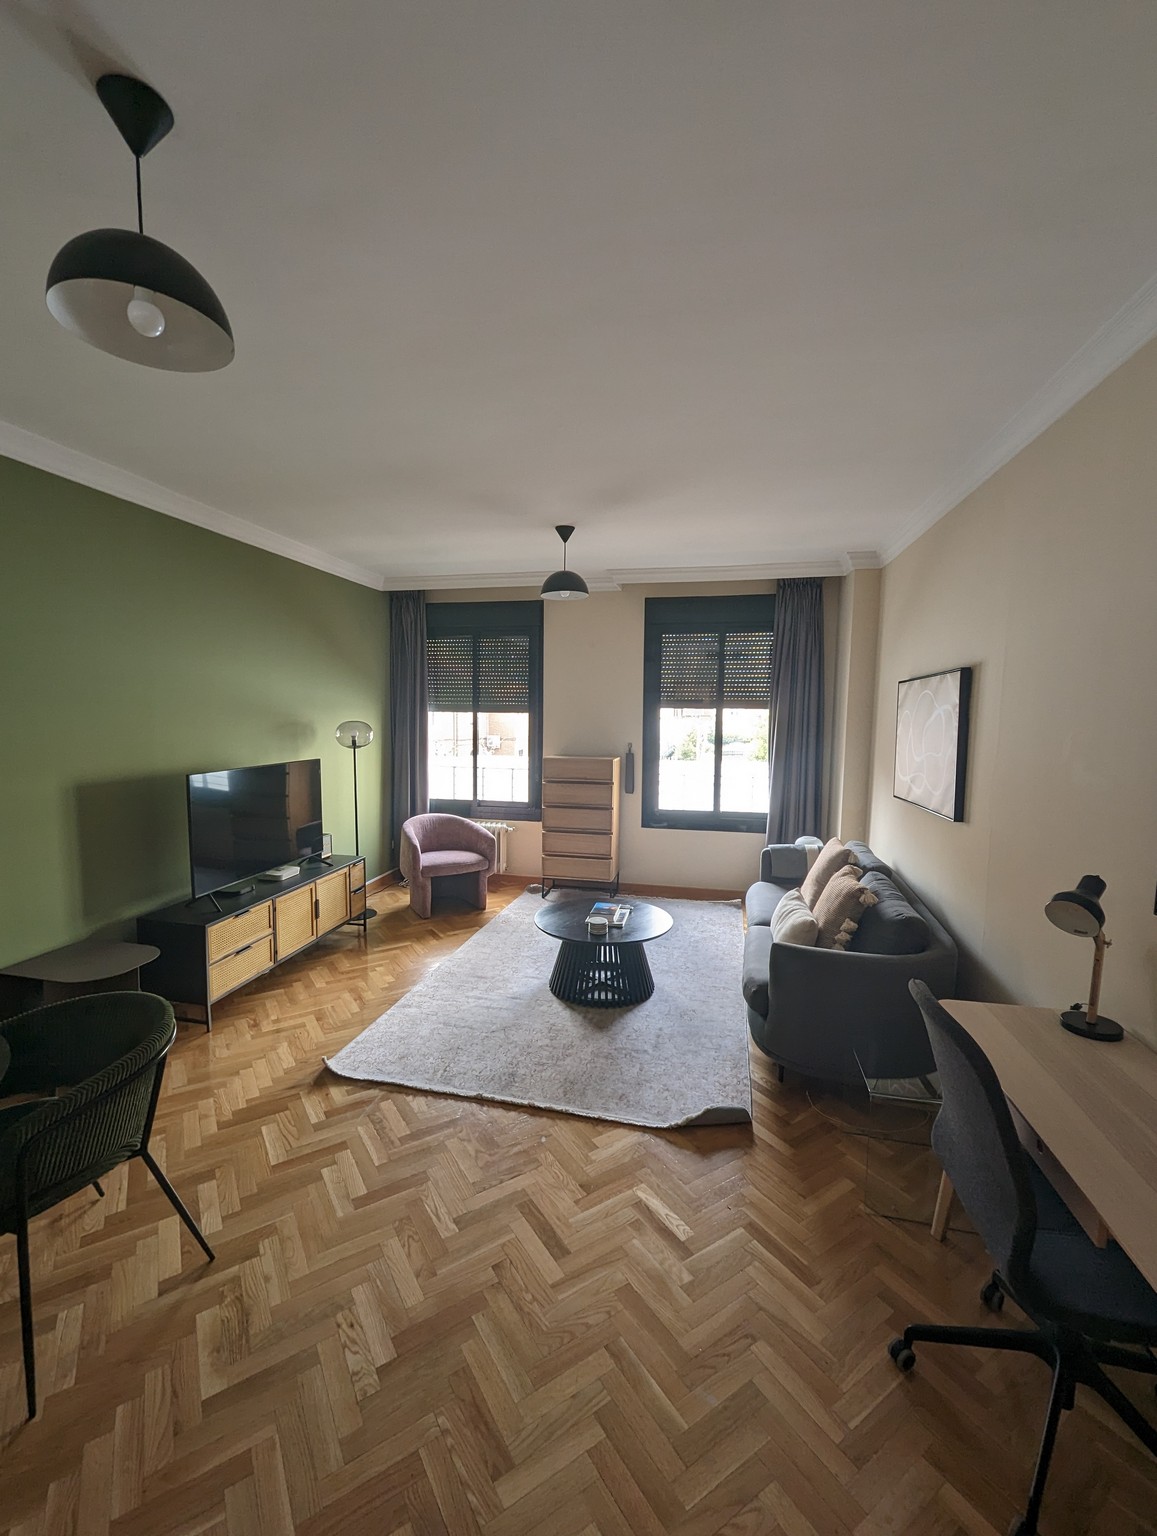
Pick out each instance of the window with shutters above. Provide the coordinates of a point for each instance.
(707, 712)
(484, 701)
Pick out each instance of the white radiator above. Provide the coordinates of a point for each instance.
(500, 829)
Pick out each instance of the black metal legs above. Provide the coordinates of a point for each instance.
(150, 1163)
(26, 1333)
(602, 975)
(1074, 1361)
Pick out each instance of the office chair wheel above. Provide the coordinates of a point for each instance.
(902, 1354)
(992, 1296)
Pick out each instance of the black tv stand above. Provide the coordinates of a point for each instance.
(207, 952)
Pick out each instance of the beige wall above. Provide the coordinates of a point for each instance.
(854, 681)
(1045, 581)
(593, 703)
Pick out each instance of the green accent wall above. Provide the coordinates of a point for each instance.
(134, 649)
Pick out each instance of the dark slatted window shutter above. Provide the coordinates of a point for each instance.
(450, 672)
(689, 670)
(747, 669)
(504, 672)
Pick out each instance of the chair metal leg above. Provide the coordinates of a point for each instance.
(1058, 1397)
(1121, 1405)
(1018, 1340)
(26, 1332)
(150, 1163)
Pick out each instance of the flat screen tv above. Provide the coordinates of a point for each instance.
(243, 821)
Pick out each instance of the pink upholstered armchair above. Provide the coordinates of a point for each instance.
(437, 844)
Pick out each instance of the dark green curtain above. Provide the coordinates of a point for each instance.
(796, 748)
(409, 734)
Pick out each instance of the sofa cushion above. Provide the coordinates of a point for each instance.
(891, 927)
(794, 921)
(833, 856)
(761, 901)
(867, 860)
(839, 908)
(757, 970)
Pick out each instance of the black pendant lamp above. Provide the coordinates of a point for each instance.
(564, 584)
(126, 293)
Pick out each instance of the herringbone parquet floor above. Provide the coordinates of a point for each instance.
(432, 1316)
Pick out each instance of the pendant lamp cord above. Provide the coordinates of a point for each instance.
(140, 204)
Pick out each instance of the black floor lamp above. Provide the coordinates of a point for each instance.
(356, 735)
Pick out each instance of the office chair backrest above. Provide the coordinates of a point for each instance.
(976, 1141)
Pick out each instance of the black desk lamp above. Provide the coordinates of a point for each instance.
(1080, 912)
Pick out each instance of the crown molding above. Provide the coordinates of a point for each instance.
(825, 563)
(42, 453)
(1114, 343)
(441, 582)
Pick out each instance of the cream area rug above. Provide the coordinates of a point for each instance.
(483, 1024)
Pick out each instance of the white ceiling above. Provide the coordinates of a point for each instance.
(724, 283)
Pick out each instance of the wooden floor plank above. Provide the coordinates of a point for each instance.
(434, 1315)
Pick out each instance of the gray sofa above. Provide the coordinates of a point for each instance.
(815, 1011)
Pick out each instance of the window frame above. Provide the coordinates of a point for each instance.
(478, 620)
(695, 615)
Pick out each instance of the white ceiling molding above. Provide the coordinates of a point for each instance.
(70, 464)
(825, 563)
(1114, 343)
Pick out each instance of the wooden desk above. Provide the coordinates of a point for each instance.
(1092, 1104)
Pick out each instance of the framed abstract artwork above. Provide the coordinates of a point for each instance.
(932, 741)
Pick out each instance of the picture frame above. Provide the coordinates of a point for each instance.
(932, 718)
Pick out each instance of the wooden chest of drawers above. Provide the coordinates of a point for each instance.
(580, 821)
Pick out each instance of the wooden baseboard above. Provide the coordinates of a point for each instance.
(384, 881)
(632, 888)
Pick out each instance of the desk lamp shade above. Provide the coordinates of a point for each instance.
(356, 734)
(1079, 912)
(126, 293)
(564, 585)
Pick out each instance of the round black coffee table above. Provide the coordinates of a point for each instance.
(605, 970)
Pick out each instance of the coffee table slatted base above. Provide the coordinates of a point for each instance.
(602, 975)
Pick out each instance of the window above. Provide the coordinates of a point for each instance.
(484, 701)
(707, 712)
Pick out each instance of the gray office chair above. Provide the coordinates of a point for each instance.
(1086, 1302)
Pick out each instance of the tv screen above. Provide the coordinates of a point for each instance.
(243, 821)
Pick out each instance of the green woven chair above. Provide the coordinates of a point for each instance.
(103, 1059)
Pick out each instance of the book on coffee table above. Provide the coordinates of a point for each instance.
(615, 914)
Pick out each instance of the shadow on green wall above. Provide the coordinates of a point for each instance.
(133, 843)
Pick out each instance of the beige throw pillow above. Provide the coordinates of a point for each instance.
(838, 910)
(793, 922)
(831, 857)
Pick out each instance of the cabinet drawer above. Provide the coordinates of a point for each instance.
(241, 967)
(233, 932)
(357, 879)
(577, 842)
(576, 818)
(333, 901)
(293, 924)
(574, 867)
(575, 794)
(601, 769)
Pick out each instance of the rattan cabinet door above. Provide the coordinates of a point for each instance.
(333, 901)
(293, 920)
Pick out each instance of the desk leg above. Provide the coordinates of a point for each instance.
(944, 1198)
